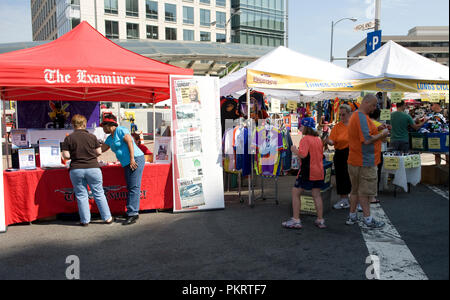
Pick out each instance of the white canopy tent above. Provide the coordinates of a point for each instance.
(395, 61)
(288, 62)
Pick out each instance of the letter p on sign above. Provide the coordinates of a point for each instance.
(373, 41)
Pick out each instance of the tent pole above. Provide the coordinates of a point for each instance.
(6, 135)
(250, 177)
(2, 194)
(154, 120)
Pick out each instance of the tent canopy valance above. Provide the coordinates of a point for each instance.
(401, 69)
(285, 64)
(83, 65)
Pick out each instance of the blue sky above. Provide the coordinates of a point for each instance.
(309, 22)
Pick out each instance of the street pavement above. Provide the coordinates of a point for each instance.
(240, 243)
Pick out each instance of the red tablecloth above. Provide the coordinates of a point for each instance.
(36, 194)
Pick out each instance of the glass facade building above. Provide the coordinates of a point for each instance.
(259, 22)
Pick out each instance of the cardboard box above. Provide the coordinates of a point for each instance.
(435, 175)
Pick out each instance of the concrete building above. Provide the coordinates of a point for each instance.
(429, 41)
(188, 20)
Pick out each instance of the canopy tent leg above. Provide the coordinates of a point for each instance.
(154, 121)
(2, 194)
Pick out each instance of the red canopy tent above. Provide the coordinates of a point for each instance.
(83, 65)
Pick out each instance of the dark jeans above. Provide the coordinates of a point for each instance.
(402, 146)
(133, 179)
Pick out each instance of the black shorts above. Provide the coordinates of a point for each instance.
(308, 184)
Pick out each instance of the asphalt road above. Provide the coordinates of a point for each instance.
(238, 243)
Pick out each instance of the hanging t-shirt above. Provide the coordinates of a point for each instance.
(229, 163)
(243, 159)
(269, 143)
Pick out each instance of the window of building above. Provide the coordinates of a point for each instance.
(111, 29)
(205, 17)
(220, 38)
(132, 31)
(171, 12)
(188, 35)
(132, 8)
(111, 7)
(205, 36)
(171, 33)
(208, 2)
(152, 32)
(151, 9)
(220, 19)
(188, 15)
(221, 3)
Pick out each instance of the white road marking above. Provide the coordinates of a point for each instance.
(396, 260)
(443, 193)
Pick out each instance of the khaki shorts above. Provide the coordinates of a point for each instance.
(364, 180)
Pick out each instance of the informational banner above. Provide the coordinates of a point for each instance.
(196, 144)
(27, 159)
(391, 163)
(50, 154)
(259, 79)
(162, 150)
(56, 114)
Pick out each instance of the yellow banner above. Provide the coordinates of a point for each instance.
(391, 163)
(277, 81)
(385, 115)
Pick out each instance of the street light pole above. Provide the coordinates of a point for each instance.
(332, 33)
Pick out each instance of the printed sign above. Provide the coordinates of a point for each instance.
(19, 138)
(434, 143)
(385, 115)
(373, 42)
(396, 97)
(416, 163)
(275, 106)
(50, 154)
(408, 162)
(391, 163)
(417, 143)
(161, 152)
(27, 159)
(328, 175)
(307, 205)
(292, 105)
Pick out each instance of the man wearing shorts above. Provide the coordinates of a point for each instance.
(364, 156)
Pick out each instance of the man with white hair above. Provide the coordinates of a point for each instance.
(364, 156)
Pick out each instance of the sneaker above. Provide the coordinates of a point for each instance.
(342, 204)
(292, 224)
(374, 224)
(359, 208)
(351, 221)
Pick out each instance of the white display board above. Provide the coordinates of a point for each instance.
(196, 144)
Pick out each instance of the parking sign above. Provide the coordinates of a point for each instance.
(373, 42)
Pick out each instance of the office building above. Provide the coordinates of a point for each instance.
(429, 41)
(259, 22)
(189, 20)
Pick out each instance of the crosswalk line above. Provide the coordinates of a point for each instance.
(395, 259)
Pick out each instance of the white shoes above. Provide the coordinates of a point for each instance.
(342, 204)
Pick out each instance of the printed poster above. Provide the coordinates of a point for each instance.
(27, 159)
(50, 154)
(191, 192)
(187, 91)
(162, 150)
(19, 138)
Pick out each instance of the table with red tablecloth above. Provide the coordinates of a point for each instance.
(36, 194)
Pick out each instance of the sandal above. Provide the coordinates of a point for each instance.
(292, 224)
(375, 202)
(320, 224)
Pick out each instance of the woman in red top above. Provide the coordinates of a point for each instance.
(148, 154)
(311, 174)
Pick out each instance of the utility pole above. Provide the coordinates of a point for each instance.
(378, 27)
